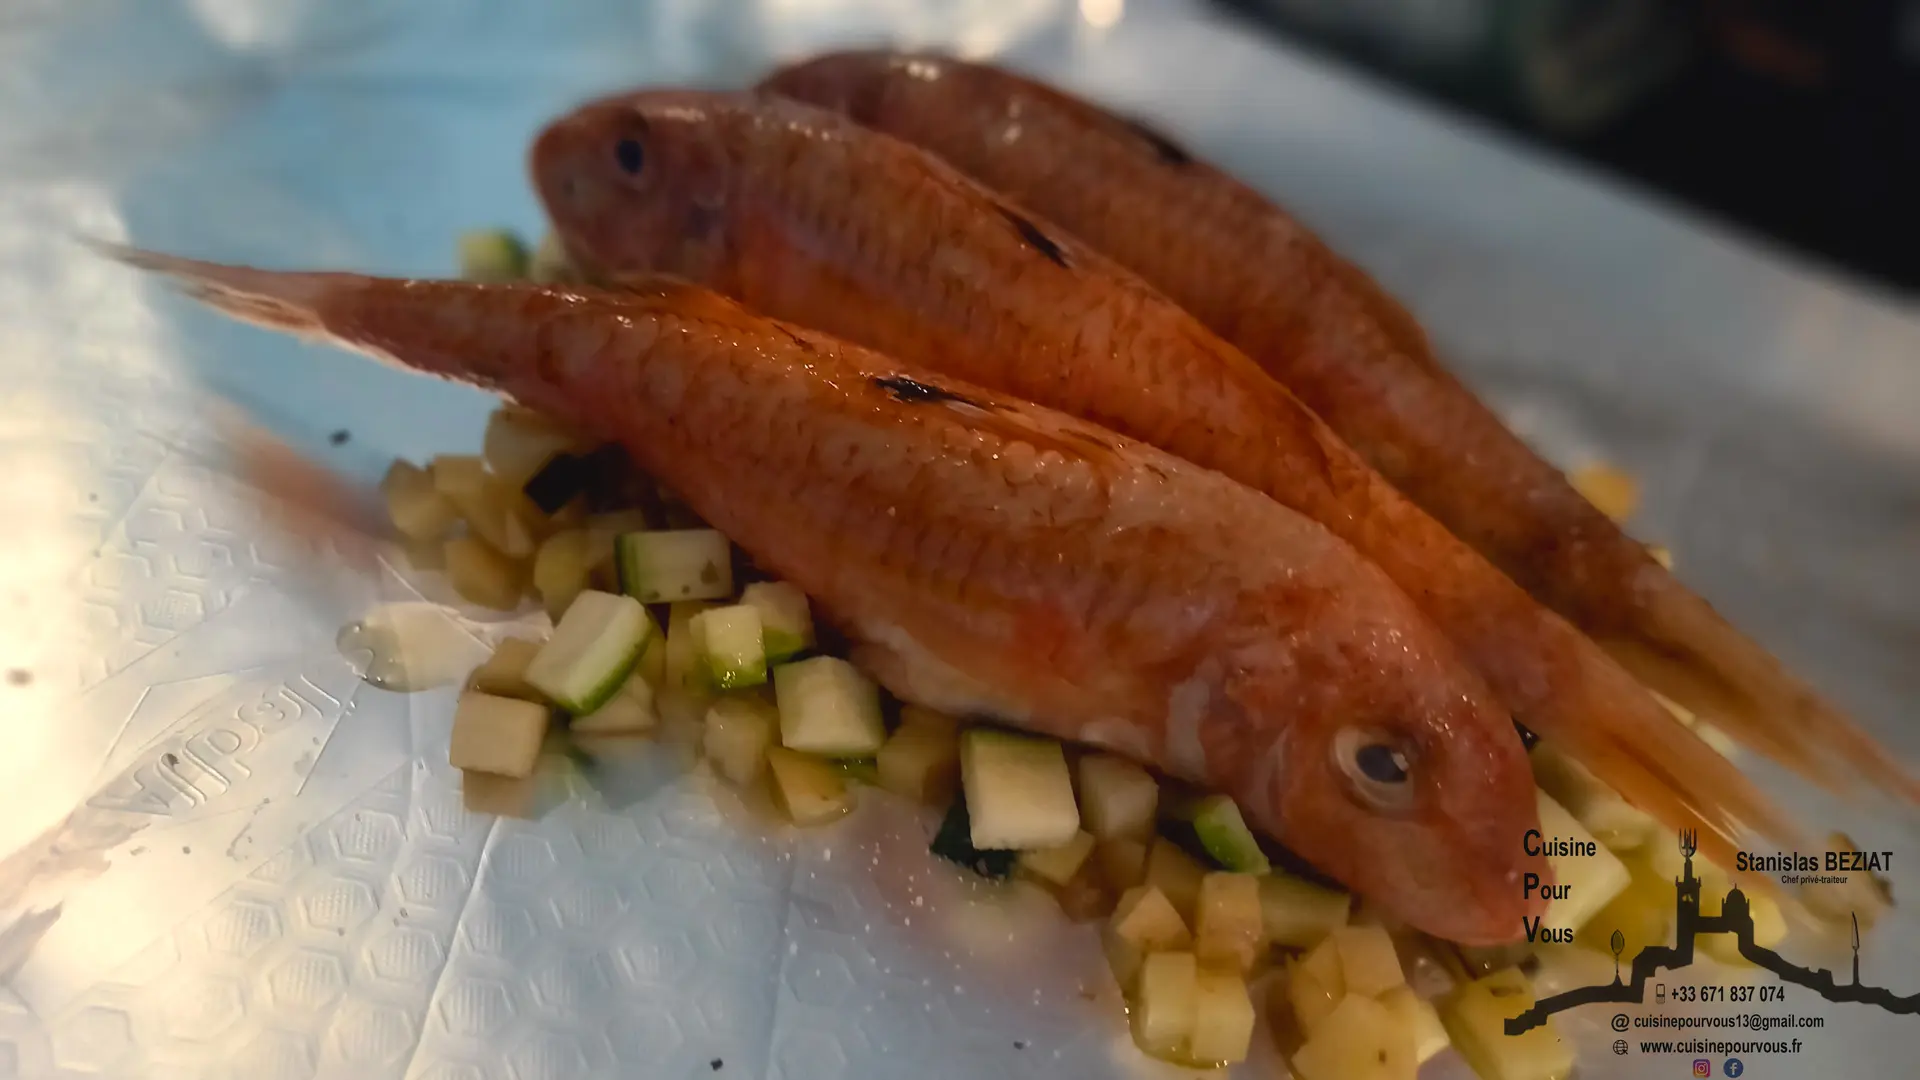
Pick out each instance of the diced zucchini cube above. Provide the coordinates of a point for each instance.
(921, 759)
(494, 255)
(1222, 1018)
(482, 575)
(1018, 790)
(628, 712)
(1368, 963)
(1163, 1009)
(1145, 919)
(671, 565)
(1227, 930)
(591, 652)
(728, 641)
(1358, 1040)
(1117, 797)
(785, 619)
(1475, 1016)
(496, 734)
(1418, 1017)
(1056, 866)
(418, 510)
(1297, 914)
(738, 733)
(828, 707)
(1224, 834)
(505, 672)
(1175, 873)
(811, 790)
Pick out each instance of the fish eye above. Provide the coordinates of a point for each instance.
(630, 155)
(1377, 766)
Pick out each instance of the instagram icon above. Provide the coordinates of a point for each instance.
(1702, 1067)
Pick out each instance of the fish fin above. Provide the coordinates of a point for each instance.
(1686, 651)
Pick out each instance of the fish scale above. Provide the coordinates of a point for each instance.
(1298, 639)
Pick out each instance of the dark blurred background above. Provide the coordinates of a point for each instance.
(1797, 119)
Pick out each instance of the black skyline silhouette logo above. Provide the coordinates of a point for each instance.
(1735, 918)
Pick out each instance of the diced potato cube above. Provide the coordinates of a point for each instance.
(1368, 963)
(458, 476)
(1123, 957)
(1122, 862)
(519, 442)
(505, 672)
(921, 759)
(810, 789)
(1082, 897)
(1117, 797)
(482, 575)
(496, 734)
(1222, 1018)
(1315, 985)
(1298, 914)
(738, 733)
(502, 796)
(1476, 1016)
(418, 510)
(1769, 929)
(1642, 912)
(1611, 491)
(1418, 1017)
(1147, 920)
(1227, 930)
(1163, 1007)
(628, 712)
(561, 567)
(1175, 873)
(503, 517)
(1556, 968)
(1358, 1040)
(1056, 865)
(1592, 880)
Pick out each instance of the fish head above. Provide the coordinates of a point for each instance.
(1409, 785)
(637, 183)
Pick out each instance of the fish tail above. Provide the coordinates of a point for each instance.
(1685, 650)
(274, 299)
(1661, 766)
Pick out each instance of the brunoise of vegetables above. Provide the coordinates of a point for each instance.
(1205, 926)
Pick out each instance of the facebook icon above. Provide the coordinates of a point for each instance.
(1733, 1067)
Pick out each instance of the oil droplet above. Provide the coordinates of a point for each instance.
(409, 646)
